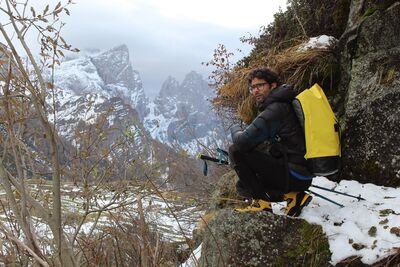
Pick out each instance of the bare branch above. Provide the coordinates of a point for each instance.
(30, 251)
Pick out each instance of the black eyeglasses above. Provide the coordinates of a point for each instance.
(257, 86)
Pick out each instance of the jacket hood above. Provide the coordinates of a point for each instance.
(283, 93)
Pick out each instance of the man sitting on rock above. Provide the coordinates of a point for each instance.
(264, 151)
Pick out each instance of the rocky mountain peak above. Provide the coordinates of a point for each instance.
(193, 77)
(193, 89)
(170, 87)
(181, 114)
(191, 94)
(114, 66)
(109, 73)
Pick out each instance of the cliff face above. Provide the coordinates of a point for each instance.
(371, 88)
(107, 74)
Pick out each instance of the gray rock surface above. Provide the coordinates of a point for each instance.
(261, 239)
(257, 239)
(371, 84)
(120, 79)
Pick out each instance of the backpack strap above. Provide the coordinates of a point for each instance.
(298, 110)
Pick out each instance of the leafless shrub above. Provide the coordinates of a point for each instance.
(40, 228)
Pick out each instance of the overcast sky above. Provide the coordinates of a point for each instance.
(167, 37)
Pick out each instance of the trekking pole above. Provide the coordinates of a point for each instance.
(205, 157)
(337, 192)
(327, 199)
(220, 150)
(221, 160)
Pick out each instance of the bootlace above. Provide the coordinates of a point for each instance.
(254, 203)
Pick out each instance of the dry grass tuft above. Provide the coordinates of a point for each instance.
(302, 68)
(298, 67)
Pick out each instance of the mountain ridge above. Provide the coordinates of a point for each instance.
(181, 115)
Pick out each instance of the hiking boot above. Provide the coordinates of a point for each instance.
(296, 201)
(256, 206)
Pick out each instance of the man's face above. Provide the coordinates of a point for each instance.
(260, 89)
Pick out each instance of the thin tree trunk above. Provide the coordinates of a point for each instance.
(144, 251)
(23, 215)
(65, 253)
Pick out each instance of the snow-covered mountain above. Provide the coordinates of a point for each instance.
(181, 115)
(100, 91)
(106, 75)
(97, 86)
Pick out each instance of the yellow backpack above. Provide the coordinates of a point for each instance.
(321, 131)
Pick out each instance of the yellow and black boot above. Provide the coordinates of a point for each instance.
(296, 201)
(256, 206)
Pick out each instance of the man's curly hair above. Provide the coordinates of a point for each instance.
(266, 74)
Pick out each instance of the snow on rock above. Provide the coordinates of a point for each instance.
(107, 74)
(368, 229)
(322, 42)
(79, 76)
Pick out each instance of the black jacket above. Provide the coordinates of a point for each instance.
(276, 123)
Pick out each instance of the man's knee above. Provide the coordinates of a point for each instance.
(233, 149)
(233, 153)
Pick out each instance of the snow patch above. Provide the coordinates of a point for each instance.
(361, 228)
(321, 42)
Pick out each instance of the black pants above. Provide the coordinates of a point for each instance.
(262, 176)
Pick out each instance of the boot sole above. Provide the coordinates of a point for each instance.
(297, 212)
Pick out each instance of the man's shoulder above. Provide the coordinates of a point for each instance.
(276, 108)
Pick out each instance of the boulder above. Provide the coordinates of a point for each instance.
(262, 239)
(231, 238)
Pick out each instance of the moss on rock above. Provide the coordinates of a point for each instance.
(312, 250)
(262, 239)
(225, 194)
